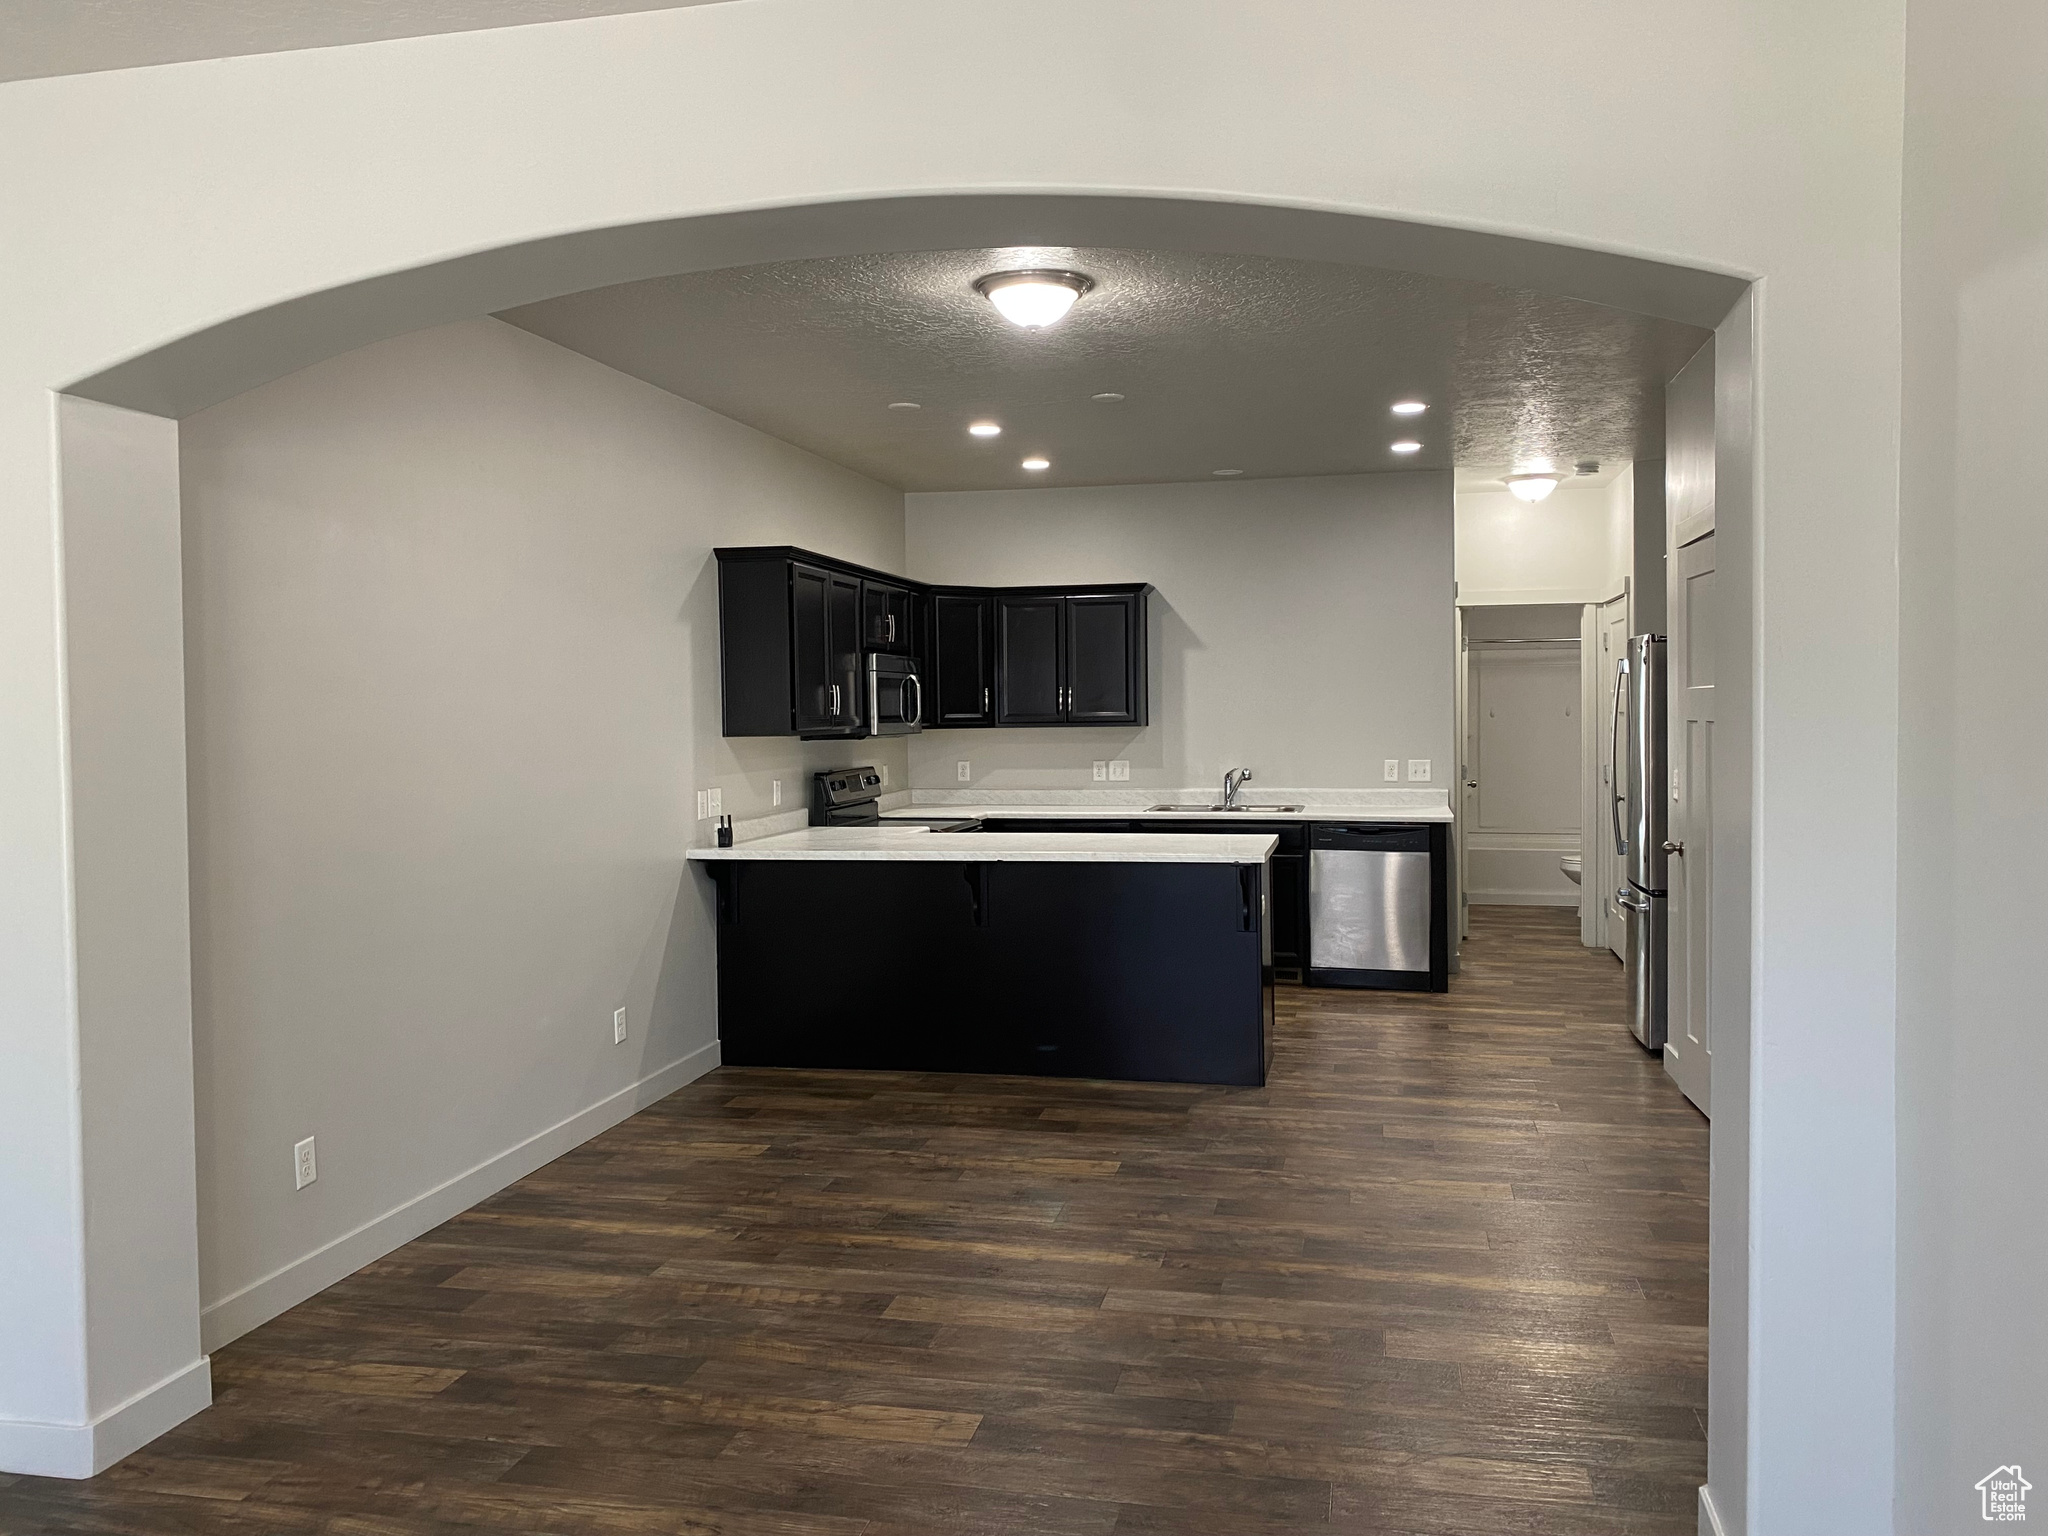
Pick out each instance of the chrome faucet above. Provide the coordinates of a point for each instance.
(1233, 781)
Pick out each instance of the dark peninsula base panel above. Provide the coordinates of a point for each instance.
(1144, 972)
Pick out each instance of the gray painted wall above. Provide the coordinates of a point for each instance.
(1973, 798)
(1302, 628)
(451, 621)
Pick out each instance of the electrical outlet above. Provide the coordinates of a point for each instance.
(776, 790)
(960, 771)
(1392, 772)
(703, 805)
(1101, 770)
(718, 802)
(884, 772)
(1418, 770)
(1120, 769)
(618, 1026)
(304, 1169)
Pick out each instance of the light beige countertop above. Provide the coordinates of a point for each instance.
(1351, 814)
(919, 844)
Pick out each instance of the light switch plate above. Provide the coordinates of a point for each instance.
(1418, 770)
(1392, 772)
(1120, 769)
(1101, 770)
(960, 771)
(703, 806)
(775, 789)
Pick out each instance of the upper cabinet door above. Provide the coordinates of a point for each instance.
(849, 705)
(810, 591)
(1030, 664)
(1104, 654)
(885, 618)
(963, 671)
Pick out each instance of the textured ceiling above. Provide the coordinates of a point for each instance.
(1265, 366)
(39, 38)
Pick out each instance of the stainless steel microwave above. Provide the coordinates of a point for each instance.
(895, 696)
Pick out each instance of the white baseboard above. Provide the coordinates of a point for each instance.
(84, 1450)
(261, 1300)
(1710, 1517)
(1568, 898)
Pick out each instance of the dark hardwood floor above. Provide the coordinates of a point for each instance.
(1445, 1274)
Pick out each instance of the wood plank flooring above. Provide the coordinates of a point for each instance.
(1446, 1273)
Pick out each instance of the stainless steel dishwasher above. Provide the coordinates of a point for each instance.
(1369, 907)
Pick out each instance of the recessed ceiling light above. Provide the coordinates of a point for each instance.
(1033, 300)
(1107, 394)
(1036, 462)
(1226, 472)
(1533, 487)
(905, 405)
(984, 429)
(1409, 407)
(1406, 445)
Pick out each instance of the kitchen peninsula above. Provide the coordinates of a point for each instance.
(1112, 955)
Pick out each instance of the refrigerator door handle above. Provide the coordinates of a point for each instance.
(1626, 896)
(1615, 778)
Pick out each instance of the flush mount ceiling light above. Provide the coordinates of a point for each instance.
(1535, 485)
(983, 429)
(1033, 300)
(1226, 473)
(905, 405)
(1037, 462)
(1107, 394)
(1406, 445)
(1409, 407)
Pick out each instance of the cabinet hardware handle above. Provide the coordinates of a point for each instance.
(835, 699)
(984, 698)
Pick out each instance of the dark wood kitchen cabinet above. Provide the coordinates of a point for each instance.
(827, 651)
(1105, 648)
(888, 618)
(962, 658)
(1030, 660)
(1071, 658)
(789, 639)
(795, 630)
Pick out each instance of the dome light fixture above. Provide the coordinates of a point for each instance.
(1225, 474)
(1535, 485)
(1408, 407)
(1038, 461)
(1034, 299)
(1406, 445)
(983, 429)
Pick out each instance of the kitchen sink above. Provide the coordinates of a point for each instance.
(1234, 810)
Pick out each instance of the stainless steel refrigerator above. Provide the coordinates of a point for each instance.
(1639, 805)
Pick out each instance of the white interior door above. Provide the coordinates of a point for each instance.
(1688, 1052)
(1604, 868)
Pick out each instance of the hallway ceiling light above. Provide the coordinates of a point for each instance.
(1033, 300)
(1226, 473)
(1534, 487)
(984, 429)
(1409, 407)
(1406, 445)
(905, 405)
(1037, 462)
(1107, 394)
